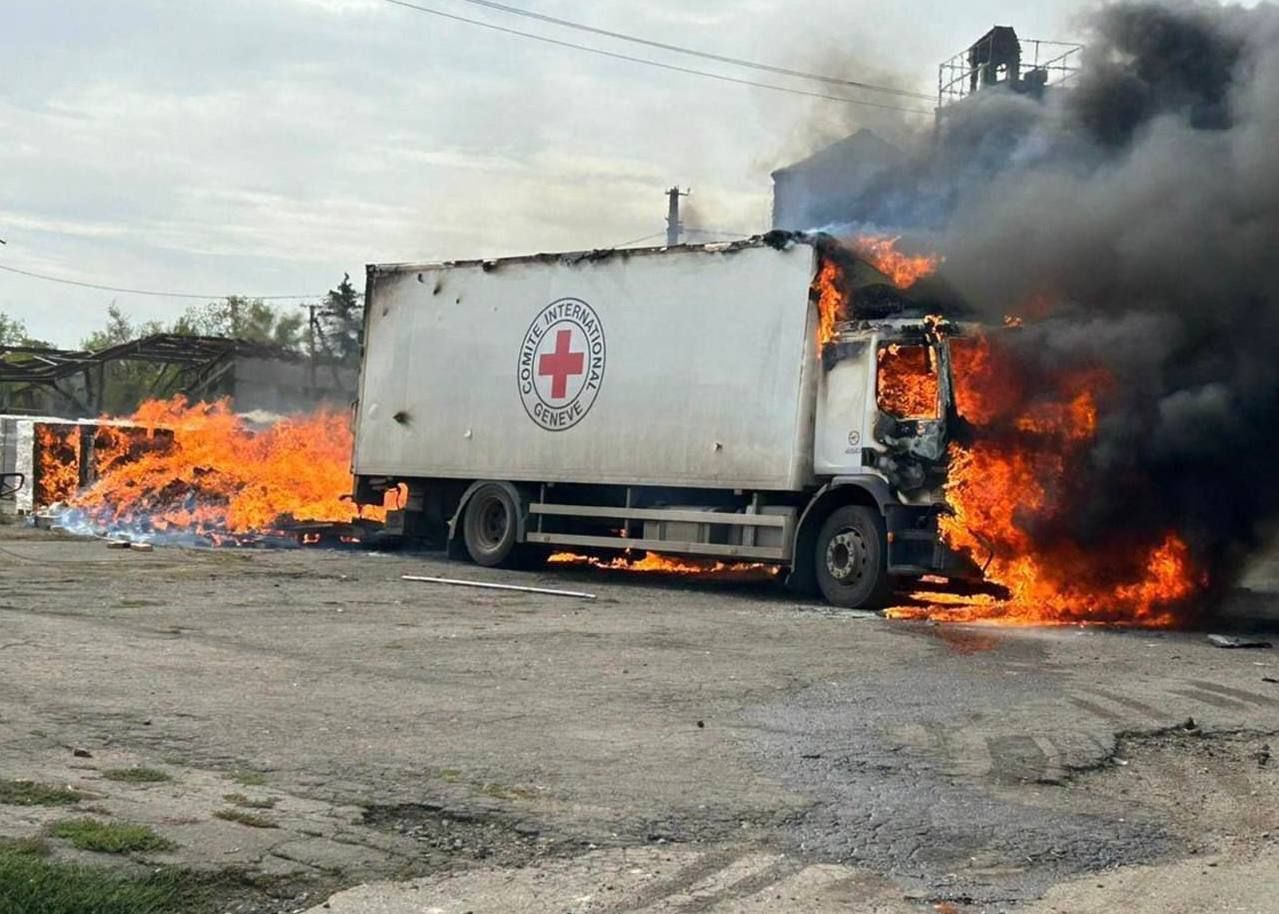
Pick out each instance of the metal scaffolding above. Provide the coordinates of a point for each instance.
(1001, 58)
(192, 365)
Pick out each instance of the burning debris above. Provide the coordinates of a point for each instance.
(652, 563)
(199, 469)
(59, 449)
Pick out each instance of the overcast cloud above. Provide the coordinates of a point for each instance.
(267, 146)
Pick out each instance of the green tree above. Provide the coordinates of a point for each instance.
(119, 328)
(240, 318)
(125, 383)
(341, 321)
(13, 332)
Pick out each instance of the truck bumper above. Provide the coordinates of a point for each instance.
(915, 546)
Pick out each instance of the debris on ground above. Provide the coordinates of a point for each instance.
(486, 585)
(1231, 643)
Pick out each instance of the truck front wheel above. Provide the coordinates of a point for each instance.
(490, 526)
(852, 559)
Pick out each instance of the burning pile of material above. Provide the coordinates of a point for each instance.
(202, 469)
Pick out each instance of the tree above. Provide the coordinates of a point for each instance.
(341, 321)
(125, 383)
(119, 329)
(13, 332)
(242, 318)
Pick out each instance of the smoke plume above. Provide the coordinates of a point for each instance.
(1138, 215)
(1132, 219)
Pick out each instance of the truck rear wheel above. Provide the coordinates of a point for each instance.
(852, 559)
(490, 526)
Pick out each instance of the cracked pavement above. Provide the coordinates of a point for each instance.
(674, 745)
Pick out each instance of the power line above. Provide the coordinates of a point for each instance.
(654, 63)
(104, 288)
(678, 49)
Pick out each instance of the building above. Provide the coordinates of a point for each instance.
(864, 179)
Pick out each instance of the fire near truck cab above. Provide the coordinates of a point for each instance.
(696, 401)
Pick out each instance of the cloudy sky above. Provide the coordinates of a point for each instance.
(264, 147)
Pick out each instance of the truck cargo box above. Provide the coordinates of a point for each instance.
(691, 367)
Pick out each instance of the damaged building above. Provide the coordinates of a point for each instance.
(254, 376)
(868, 179)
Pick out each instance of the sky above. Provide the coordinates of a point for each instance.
(266, 147)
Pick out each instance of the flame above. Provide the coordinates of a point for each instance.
(908, 382)
(903, 270)
(652, 563)
(832, 303)
(1013, 485)
(200, 468)
(58, 463)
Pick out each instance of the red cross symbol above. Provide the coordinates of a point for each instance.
(561, 364)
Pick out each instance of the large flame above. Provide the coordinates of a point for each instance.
(1011, 487)
(908, 382)
(902, 270)
(201, 468)
(832, 303)
(834, 300)
(58, 463)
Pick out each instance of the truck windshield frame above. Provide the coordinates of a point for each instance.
(908, 384)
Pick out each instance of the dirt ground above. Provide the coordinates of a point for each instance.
(670, 746)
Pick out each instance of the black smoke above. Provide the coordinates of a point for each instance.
(1144, 205)
(1133, 218)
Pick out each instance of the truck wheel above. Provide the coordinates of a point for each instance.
(490, 526)
(852, 559)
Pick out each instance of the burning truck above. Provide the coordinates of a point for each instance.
(807, 404)
(777, 401)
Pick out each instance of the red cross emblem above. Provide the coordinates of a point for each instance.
(561, 364)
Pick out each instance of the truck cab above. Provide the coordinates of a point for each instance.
(885, 419)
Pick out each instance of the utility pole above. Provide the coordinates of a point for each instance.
(674, 228)
(311, 333)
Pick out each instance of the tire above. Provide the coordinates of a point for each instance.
(491, 526)
(851, 559)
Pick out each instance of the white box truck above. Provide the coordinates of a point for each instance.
(670, 400)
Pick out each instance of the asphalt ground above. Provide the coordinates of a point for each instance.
(671, 745)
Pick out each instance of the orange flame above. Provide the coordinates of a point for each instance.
(58, 463)
(908, 382)
(652, 563)
(903, 270)
(200, 468)
(832, 303)
(1019, 476)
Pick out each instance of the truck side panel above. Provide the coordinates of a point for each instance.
(707, 362)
